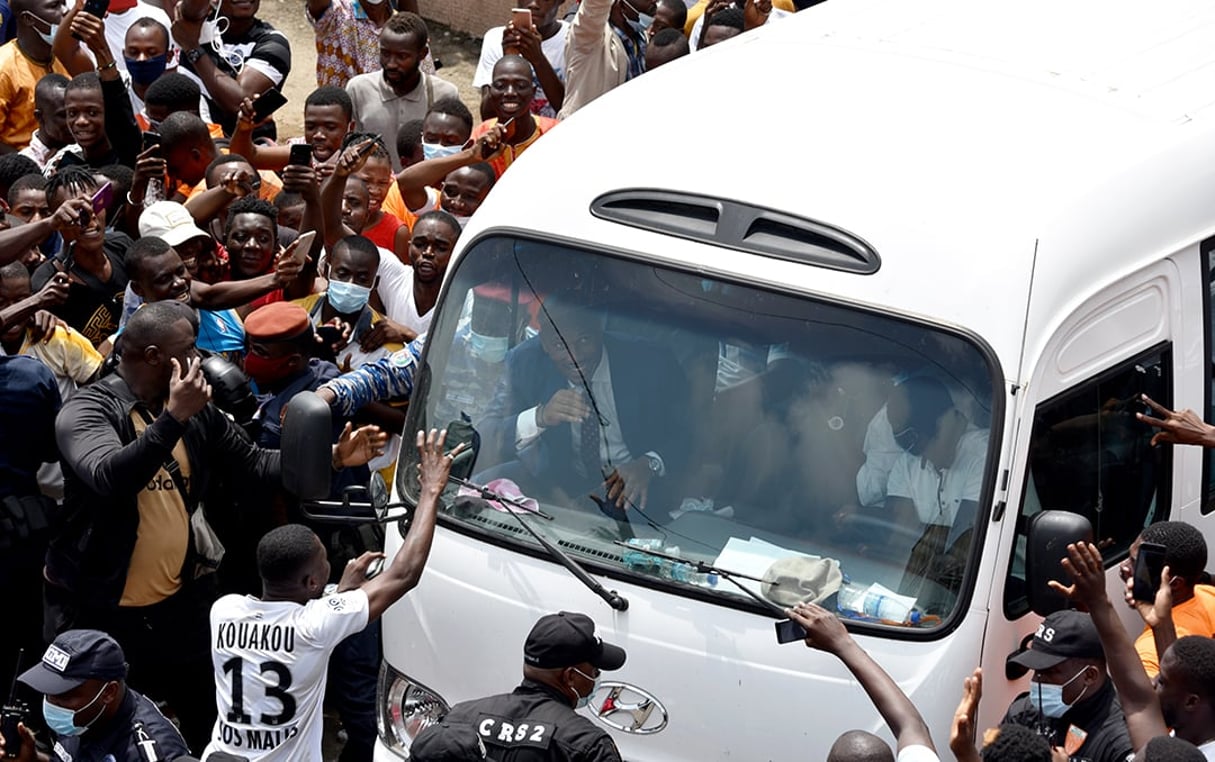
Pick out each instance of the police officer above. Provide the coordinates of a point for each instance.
(1071, 700)
(536, 722)
(89, 708)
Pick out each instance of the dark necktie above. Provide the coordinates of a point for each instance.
(588, 446)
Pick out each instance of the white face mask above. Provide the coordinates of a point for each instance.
(438, 150)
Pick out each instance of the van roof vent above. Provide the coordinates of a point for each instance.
(734, 225)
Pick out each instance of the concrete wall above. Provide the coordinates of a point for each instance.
(469, 16)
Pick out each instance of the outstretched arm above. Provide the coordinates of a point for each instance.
(826, 632)
(403, 573)
(1184, 427)
(1139, 703)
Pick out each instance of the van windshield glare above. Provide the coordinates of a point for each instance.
(632, 407)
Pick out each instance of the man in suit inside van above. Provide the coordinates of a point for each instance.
(579, 410)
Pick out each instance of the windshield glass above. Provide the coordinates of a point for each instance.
(631, 407)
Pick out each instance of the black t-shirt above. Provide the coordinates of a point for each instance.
(93, 307)
(263, 47)
(1098, 718)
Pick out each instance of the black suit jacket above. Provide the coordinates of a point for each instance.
(650, 392)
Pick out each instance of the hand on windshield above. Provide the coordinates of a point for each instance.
(433, 464)
(629, 484)
(566, 406)
(824, 630)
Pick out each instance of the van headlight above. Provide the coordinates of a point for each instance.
(406, 708)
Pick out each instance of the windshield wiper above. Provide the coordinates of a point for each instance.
(613, 599)
(702, 568)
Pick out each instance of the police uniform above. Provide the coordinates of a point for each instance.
(137, 732)
(536, 722)
(1093, 729)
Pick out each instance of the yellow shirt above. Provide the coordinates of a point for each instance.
(67, 353)
(18, 76)
(1194, 617)
(698, 10)
(163, 535)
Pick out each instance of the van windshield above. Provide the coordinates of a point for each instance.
(629, 407)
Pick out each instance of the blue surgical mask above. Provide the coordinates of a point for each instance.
(438, 150)
(491, 349)
(347, 298)
(147, 71)
(49, 37)
(584, 701)
(62, 722)
(1047, 698)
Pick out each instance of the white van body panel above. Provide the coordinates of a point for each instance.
(1037, 175)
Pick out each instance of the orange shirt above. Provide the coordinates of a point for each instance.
(509, 152)
(18, 76)
(1194, 617)
(395, 205)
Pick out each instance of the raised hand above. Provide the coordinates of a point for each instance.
(1184, 427)
(965, 718)
(353, 157)
(357, 447)
(189, 391)
(433, 464)
(1158, 610)
(1084, 565)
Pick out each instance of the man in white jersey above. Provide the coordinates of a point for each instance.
(270, 654)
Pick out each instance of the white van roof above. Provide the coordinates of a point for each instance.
(954, 136)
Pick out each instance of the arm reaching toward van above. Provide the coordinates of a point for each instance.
(403, 573)
(1144, 720)
(826, 632)
(962, 732)
(1185, 427)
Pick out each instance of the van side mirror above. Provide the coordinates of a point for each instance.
(377, 492)
(306, 450)
(1049, 534)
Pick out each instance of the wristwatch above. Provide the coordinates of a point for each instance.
(655, 465)
(193, 55)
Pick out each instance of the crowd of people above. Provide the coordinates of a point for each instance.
(173, 272)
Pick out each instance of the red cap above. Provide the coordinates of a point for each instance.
(280, 321)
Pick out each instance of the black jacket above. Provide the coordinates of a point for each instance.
(138, 733)
(1100, 716)
(105, 466)
(541, 726)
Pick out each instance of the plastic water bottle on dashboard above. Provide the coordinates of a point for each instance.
(866, 601)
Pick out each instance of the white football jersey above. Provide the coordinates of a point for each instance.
(271, 660)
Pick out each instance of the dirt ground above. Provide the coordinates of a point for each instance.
(456, 52)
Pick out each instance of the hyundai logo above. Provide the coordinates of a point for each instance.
(628, 708)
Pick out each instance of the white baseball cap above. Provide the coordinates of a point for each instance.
(170, 222)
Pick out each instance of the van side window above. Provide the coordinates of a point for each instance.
(1208, 462)
(1088, 454)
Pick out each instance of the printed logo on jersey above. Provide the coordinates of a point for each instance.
(497, 731)
(336, 603)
